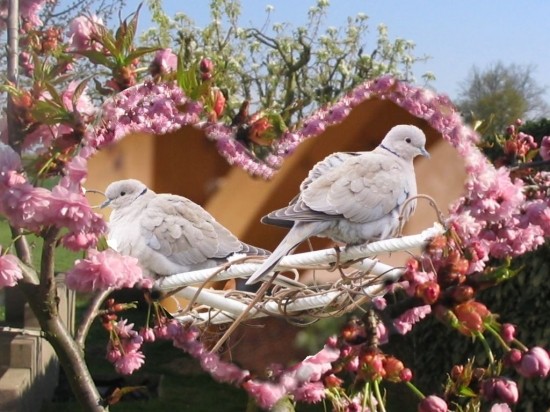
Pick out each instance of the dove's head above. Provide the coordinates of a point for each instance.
(123, 192)
(405, 141)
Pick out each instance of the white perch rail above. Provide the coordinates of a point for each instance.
(214, 306)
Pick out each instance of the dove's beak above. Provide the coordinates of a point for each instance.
(425, 153)
(105, 204)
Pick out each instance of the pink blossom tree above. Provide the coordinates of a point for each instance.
(53, 128)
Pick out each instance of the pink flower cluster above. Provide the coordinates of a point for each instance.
(101, 270)
(28, 11)
(164, 62)
(238, 155)
(146, 108)
(123, 349)
(83, 33)
(34, 208)
(39, 141)
(187, 339)
(304, 381)
(10, 272)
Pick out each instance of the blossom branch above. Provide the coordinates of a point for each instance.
(69, 353)
(91, 313)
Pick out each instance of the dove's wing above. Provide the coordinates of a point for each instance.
(184, 232)
(297, 210)
(324, 166)
(363, 189)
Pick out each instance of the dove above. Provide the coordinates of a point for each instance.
(352, 197)
(168, 234)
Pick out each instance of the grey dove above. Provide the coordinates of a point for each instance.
(352, 197)
(168, 234)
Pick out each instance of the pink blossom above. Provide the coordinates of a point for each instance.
(500, 407)
(310, 392)
(545, 148)
(313, 367)
(25, 206)
(534, 363)
(101, 270)
(9, 159)
(129, 362)
(165, 61)
(28, 11)
(220, 370)
(379, 302)
(76, 172)
(382, 333)
(432, 403)
(83, 33)
(10, 272)
(147, 108)
(147, 334)
(264, 393)
(404, 323)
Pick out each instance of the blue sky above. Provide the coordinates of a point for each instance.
(456, 34)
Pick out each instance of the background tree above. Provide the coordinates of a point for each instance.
(292, 70)
(500, 94)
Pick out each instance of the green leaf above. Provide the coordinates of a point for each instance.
(467, 391)
(96, 57)
(140, 51)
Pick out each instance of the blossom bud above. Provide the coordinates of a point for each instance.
(333, 381)
(372, 365)
(353, 333)
(437, 243)
(206, 68)
(502, 389)
(512, 357)
(508, 331)
(462, 293)
(471, 316)
(219, 102)
(406, 375)
(432, 403)
(428, 291)
(393, 368)
(456, 371)
(534, 363)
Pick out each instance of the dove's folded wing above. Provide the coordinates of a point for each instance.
(184, 232)
(297, 210)
(363, 189)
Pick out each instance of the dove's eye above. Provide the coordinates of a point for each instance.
(408, 140)
(122, 193)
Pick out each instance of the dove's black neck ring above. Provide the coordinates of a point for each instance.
(143, 192)
(389, 150)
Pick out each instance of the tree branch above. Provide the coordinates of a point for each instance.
(89, 317)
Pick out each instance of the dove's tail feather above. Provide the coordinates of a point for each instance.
(299, 232)
(253, 250)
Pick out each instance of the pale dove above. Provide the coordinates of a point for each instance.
(352, 197)
(168, 234)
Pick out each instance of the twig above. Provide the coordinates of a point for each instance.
(91, 313)
(259, 295)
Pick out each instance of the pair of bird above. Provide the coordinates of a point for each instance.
(350, 197)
